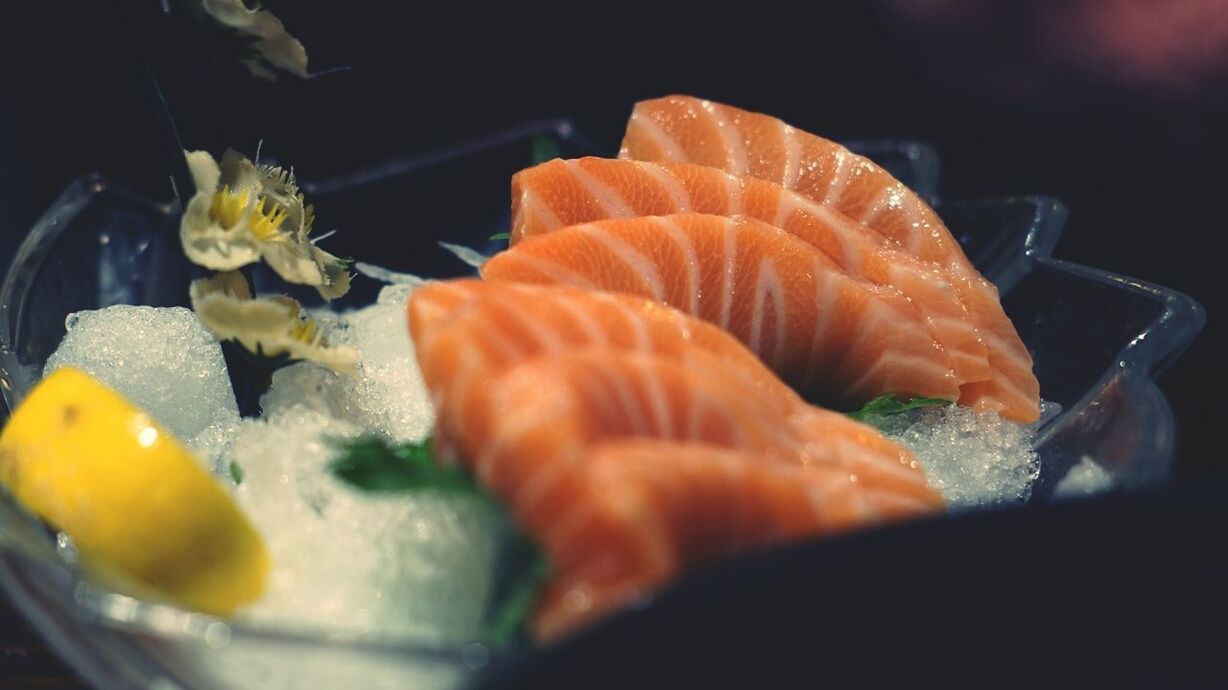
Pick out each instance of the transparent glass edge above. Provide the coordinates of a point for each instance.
(1049, 223)
(1013, 263)
(77, 196)
(562, 128)
(108, 662)
(32, 250)
(1138, 364)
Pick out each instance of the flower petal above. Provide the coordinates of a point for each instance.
(208, 244)
(276, 46)
(240, 174)
(205, 171)
(269, 326)
(293, 261)
(243, 212)
(285, 52)
(336, 271)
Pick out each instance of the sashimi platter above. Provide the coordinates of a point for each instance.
(733, 336)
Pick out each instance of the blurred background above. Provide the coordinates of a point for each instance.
(1118, 107)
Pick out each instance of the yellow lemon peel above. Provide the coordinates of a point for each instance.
(139, 507)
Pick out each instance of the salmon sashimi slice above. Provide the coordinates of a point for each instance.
(469, 331)
(543, 421)
(550, 318)
(692, 130)
(970, 325)
(541, 418)
(682, 505)
(813, 324)
(591, 189)
(689, 129)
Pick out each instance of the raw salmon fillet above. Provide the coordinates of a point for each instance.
(962, 308)
(467, 331)
(547, 417)
(689, 129)
(810, 322)
(692, 130)
(504, 323)
(682, 505)
(633, 441)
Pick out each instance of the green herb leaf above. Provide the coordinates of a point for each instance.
(888, 404)
(372, 465)
(516, 601)
(236, 472)
(500, 236)
(544, 149)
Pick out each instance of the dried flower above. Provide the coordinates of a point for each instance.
(243, 212)
(268, 326)
(274, 48)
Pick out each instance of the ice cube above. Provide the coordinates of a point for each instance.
(401, 565)
(213, 444)
(391, 391)
(162, 359)
(309, 385)
(976, 459)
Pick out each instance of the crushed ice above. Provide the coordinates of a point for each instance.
(1085, 478)
(397, 566)
(976, 459)
(414, 565)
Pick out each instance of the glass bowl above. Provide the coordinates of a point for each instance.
(1098, 341)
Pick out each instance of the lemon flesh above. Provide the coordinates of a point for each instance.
(136, 503)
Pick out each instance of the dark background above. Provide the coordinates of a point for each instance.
(1119, 108)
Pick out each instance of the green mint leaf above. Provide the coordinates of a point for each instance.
(236, 472)
(372, 465)
(514, 603)
(544, 149)
(888, 404)
(500, 236)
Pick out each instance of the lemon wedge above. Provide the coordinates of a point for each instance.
(136, 503)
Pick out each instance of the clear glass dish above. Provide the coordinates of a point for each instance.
(1098, 340)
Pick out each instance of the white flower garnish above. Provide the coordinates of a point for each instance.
(269, 326)
(243, 212)
(275, 47)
